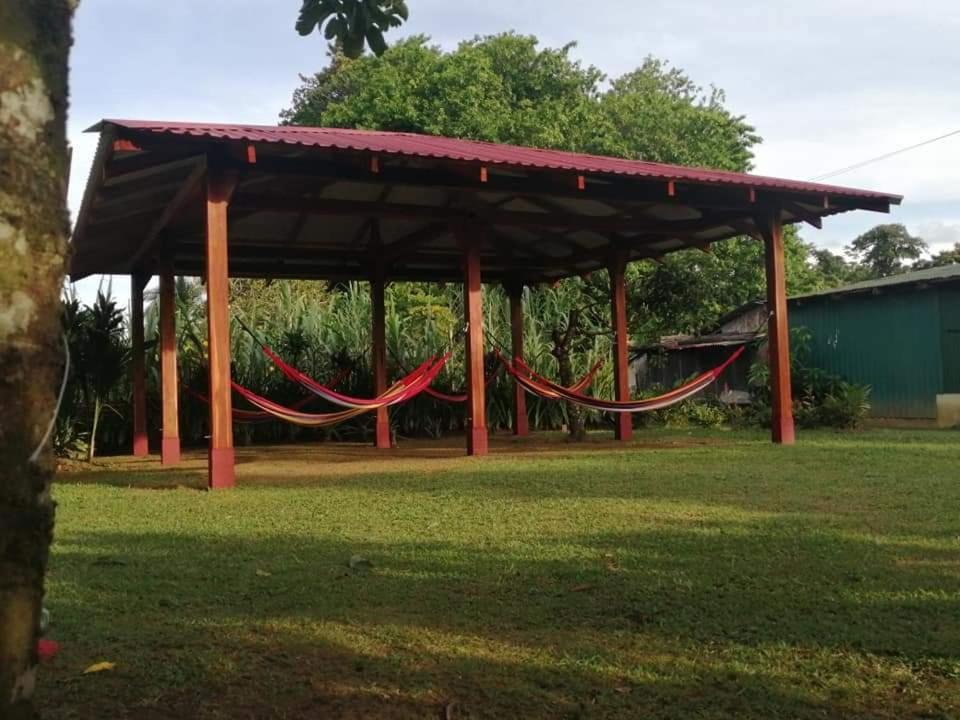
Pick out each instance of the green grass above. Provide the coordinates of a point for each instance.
(702, 574)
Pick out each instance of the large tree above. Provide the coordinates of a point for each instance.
(506, 88)
(883, 249)
(34, 42)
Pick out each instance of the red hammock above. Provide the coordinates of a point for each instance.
(543, 387)
(254, 416)
(459, 397)
(331, 395)
(400, 391)
(581, 384)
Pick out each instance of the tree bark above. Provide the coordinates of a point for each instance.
(34, 44)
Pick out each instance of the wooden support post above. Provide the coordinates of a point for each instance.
(378, 286)
(220, 186)
(170, 435)
(477, 442)
(521, 426)
(138, 366)
(623, 427)
(778, 329)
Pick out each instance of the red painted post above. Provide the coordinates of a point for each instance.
(623, 428)
(220, 186)
(378, 285)
(170, 436)
(778, 329)
(521, 425)
(139, 400)
(477, 441)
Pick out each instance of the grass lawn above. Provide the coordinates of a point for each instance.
(693, 574)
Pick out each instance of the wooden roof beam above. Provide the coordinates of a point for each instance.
(498, 217)
(187, 189)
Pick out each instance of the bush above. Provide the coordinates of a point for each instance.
(821, 399)
(846, 407)
(689, 413)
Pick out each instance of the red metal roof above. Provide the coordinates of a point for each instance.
(487, 153)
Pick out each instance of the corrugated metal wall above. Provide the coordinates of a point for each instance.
(950, 339)
(891, 341)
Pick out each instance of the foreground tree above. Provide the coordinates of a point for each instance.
(352, 23)
(884, 248)
(34, 43)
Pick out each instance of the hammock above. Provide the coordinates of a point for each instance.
(459, 397)
(401, 391)
(256, 416)
(538, 385)
(347, 401)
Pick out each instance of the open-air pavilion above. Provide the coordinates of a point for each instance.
(222, 201)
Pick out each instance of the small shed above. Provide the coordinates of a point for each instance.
(900, 335)
(676, 357)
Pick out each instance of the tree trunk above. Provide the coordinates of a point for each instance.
(92, 447)
(577, 423)
(562, 340)
(34, 43)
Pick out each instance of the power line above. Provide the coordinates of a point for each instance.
(858, 165)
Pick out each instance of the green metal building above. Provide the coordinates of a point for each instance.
(900, 335)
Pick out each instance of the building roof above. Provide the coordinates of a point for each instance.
(943, 273)
(429, 146)
(695, 342)
(321, 202)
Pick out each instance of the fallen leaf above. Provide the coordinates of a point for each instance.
(99, 667)
(358, 562)
(264, 573)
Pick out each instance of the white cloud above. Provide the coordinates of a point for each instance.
(939, 234)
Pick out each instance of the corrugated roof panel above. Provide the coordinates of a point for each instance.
(482, 152)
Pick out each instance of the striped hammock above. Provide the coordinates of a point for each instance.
(542, 387)
(347, 401)
(401, 391)
(258, 416)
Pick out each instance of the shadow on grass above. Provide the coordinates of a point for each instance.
(739, 620)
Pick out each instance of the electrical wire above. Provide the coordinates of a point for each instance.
(56, 410)
(885, 156)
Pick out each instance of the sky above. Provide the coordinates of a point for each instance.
(827, 83)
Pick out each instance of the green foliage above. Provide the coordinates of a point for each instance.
(835, 270)
(352, 23)
(821, 399)
(687, 291)
(506, 88)
(696, 412)
(99, 351)
(657, 113)
(883, 249)
(950, 256)
(845, 407)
